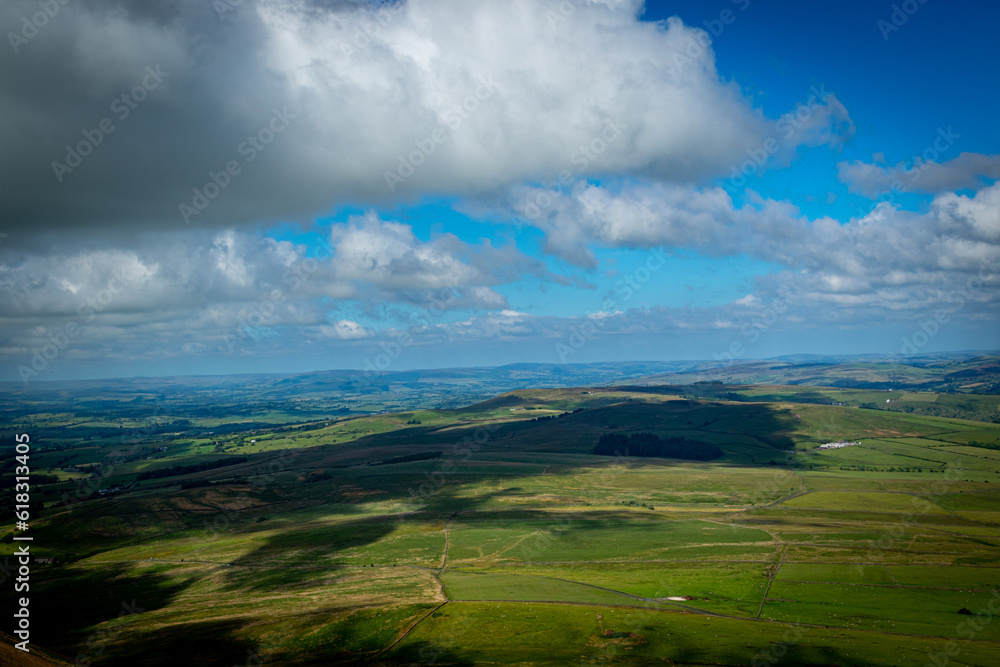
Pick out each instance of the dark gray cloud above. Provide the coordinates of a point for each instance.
(376, 102)
(968, 171)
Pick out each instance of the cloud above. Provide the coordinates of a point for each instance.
(631, 216)
(180, 295)
(481, 95)
(150, 232)
(367, 260)
(236, 291)
(385, 261)
(345, 330)
(968, 171)
(389, 255)
(890, 259)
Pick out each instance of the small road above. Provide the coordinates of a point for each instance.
(783, 499)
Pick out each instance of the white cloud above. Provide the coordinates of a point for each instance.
(636, 217)
(891, 259)
(389, 255)
(979, 215)
(488, 97)
(345, 330)
(369, 260)
(240, 292)
(385, 261)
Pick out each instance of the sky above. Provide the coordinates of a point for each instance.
(238, 186)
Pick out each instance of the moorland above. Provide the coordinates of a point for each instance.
(238, 525)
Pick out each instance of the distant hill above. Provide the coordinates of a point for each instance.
(939, 373)
(162, 403)
(301, 397)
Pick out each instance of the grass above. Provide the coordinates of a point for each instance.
(459, 585)
(864, 502)
(834, 572)
(723, 587)
(576, 539)
(317, 557)
(546, 634)
(896, 610)
(968, 578)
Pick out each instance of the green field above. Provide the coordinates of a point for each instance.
(510, 542)
(862, 501)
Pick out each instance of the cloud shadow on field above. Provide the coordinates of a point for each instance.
(316, 549)
(204, 643)
(68, 605)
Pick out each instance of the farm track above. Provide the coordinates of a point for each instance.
(405, 633)
(894, 512)
(783, 499)
(447, 541)
(770, 581)
(965, 535)
(830, 545)
(684, 608)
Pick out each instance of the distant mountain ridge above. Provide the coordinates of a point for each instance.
(335, 393)
(972, 373)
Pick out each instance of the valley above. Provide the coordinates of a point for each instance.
(492, 533)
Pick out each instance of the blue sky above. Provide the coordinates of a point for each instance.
(932, 72)
(404, 208)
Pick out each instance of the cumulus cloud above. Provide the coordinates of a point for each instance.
(385, 261)
(389, 255)
(631, 216)
(224, 290)
(233, 291)
(169, 140)
(481, 95)
(890, 259)
(367, 258)
(894, 267)
(968, 171)
(345, 330)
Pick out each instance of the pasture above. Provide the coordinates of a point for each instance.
(517, 545)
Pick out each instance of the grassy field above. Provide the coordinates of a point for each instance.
(512, 543)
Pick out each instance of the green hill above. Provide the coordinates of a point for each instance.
(493, 534)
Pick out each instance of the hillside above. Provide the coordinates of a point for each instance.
(493, 533)
(208, 401)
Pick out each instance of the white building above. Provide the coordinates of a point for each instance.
(838, 445)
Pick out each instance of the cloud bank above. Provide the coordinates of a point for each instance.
(286, 109)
